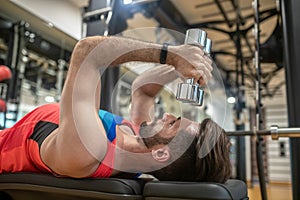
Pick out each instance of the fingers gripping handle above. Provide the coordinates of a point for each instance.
(190, 92)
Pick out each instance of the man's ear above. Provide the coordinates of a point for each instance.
(161, 154)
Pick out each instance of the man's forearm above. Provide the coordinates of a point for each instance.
(110, 51)
(152, 81)
(124, 50)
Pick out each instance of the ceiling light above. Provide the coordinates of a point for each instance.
(127, 2)
(231, 100)
(50, 25)
(49, 99)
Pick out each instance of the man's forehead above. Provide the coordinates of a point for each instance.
(190, 126)
(194, 128)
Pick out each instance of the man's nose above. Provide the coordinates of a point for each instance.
(168, 117)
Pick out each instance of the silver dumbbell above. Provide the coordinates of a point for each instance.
(189, 91)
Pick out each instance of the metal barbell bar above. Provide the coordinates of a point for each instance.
(275, 132)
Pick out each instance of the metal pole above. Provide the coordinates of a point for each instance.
(291, 30)
(13, 96)
(240, 121)
(39, 83)
(259, 139)
(60, 78)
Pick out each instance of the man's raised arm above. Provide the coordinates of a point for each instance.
(146, 87)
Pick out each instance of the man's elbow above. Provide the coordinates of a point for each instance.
(82, 49)
(90, 42)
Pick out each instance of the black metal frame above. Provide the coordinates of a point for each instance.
(291, 30)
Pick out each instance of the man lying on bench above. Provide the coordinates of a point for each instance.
(75, 139)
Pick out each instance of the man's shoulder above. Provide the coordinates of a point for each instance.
(108, 116)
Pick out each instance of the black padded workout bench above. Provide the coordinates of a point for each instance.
(30, 186)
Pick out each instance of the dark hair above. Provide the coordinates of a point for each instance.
(215, 166)
(206, 159)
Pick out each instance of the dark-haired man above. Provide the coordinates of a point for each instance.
(75, 139)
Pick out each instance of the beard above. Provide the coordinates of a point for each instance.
(149, 135)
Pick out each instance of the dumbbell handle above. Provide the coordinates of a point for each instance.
(198, 37)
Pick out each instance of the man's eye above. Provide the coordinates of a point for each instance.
(143, 124)
(172, 123)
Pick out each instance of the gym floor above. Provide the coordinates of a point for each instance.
(275, 192)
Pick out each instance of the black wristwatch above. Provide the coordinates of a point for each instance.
(164, 53)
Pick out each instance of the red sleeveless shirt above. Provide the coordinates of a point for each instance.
(20, 144)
